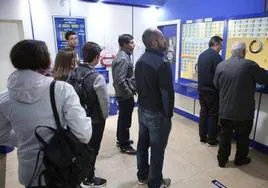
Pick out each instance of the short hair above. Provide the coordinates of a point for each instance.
(124, 39)
(69, 33)
(148, 36)
(63, 63)
(238, 48)
(90, 50)
(30, 54)
(213, 40)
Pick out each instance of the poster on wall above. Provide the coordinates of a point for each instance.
(171, 31)
(195, 37)
(254, 32)
(170, 34)
(64, 24)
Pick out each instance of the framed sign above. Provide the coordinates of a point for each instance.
(171, 32)
(64, 24)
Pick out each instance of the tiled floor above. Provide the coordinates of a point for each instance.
(188, 163)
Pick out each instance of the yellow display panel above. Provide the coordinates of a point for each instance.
(249, 30)
(195, 38)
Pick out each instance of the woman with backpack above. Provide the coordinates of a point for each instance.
(27, 105)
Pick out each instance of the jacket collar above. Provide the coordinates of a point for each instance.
(126, 51)
(86, 65)
(155, 51)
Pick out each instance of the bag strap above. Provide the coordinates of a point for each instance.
(40, 139)
(53, 105)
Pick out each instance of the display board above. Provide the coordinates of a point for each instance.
(170, 34)
(195, 38)
(171, 31)
(64, 24)
(254, 32)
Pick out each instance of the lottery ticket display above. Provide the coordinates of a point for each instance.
(195, 38)
(254, 32)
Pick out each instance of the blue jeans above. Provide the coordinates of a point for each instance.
(154, 131)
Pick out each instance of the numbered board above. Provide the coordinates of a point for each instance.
(254, 32)
(195, 39)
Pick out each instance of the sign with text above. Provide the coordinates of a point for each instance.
(64, 24)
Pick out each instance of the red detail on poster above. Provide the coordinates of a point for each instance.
(107, 60)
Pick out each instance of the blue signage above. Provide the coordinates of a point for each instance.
(64, 24)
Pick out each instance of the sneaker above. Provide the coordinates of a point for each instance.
(95, 182)
(129, 142)
(244, 161)
(128, 150)
(213, 142)
(165, 183)
(143, 182)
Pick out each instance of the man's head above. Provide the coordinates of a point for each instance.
(239, 49)
(91, 53)
(153, 38)
(126, 42)
(215, 42)
(30, 54)
(70, 37)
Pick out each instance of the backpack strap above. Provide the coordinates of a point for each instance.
(88, 74)
(53, 105)
(39, 137)
(82, 81)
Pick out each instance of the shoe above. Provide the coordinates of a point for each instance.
(95, 182)
(222, 164)
(244, 161)
(213, 142)
(128, 150)
(129, 142)
(204, 140)
(143, 182)
(165, 183)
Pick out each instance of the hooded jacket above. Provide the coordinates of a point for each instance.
(26, 105)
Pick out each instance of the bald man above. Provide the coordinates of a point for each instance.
(156, 101)
(236, 80)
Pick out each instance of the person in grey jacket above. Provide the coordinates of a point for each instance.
(97, 104)
(124, 85)
(236, 80)
(26, 105)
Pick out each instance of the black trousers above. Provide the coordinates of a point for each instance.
(242, 130)
(208, 119)
(95, 141)
(124, 121)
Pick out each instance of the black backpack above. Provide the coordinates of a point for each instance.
(67, 161)
(78, 84)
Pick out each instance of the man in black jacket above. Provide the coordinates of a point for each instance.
(208, 94)
(156, 102)
(236, 80)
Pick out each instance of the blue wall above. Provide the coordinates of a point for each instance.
(194, 9)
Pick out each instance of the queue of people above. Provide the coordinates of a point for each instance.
(226, 95)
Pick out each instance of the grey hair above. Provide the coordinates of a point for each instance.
(238, 49)
(148, 36)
